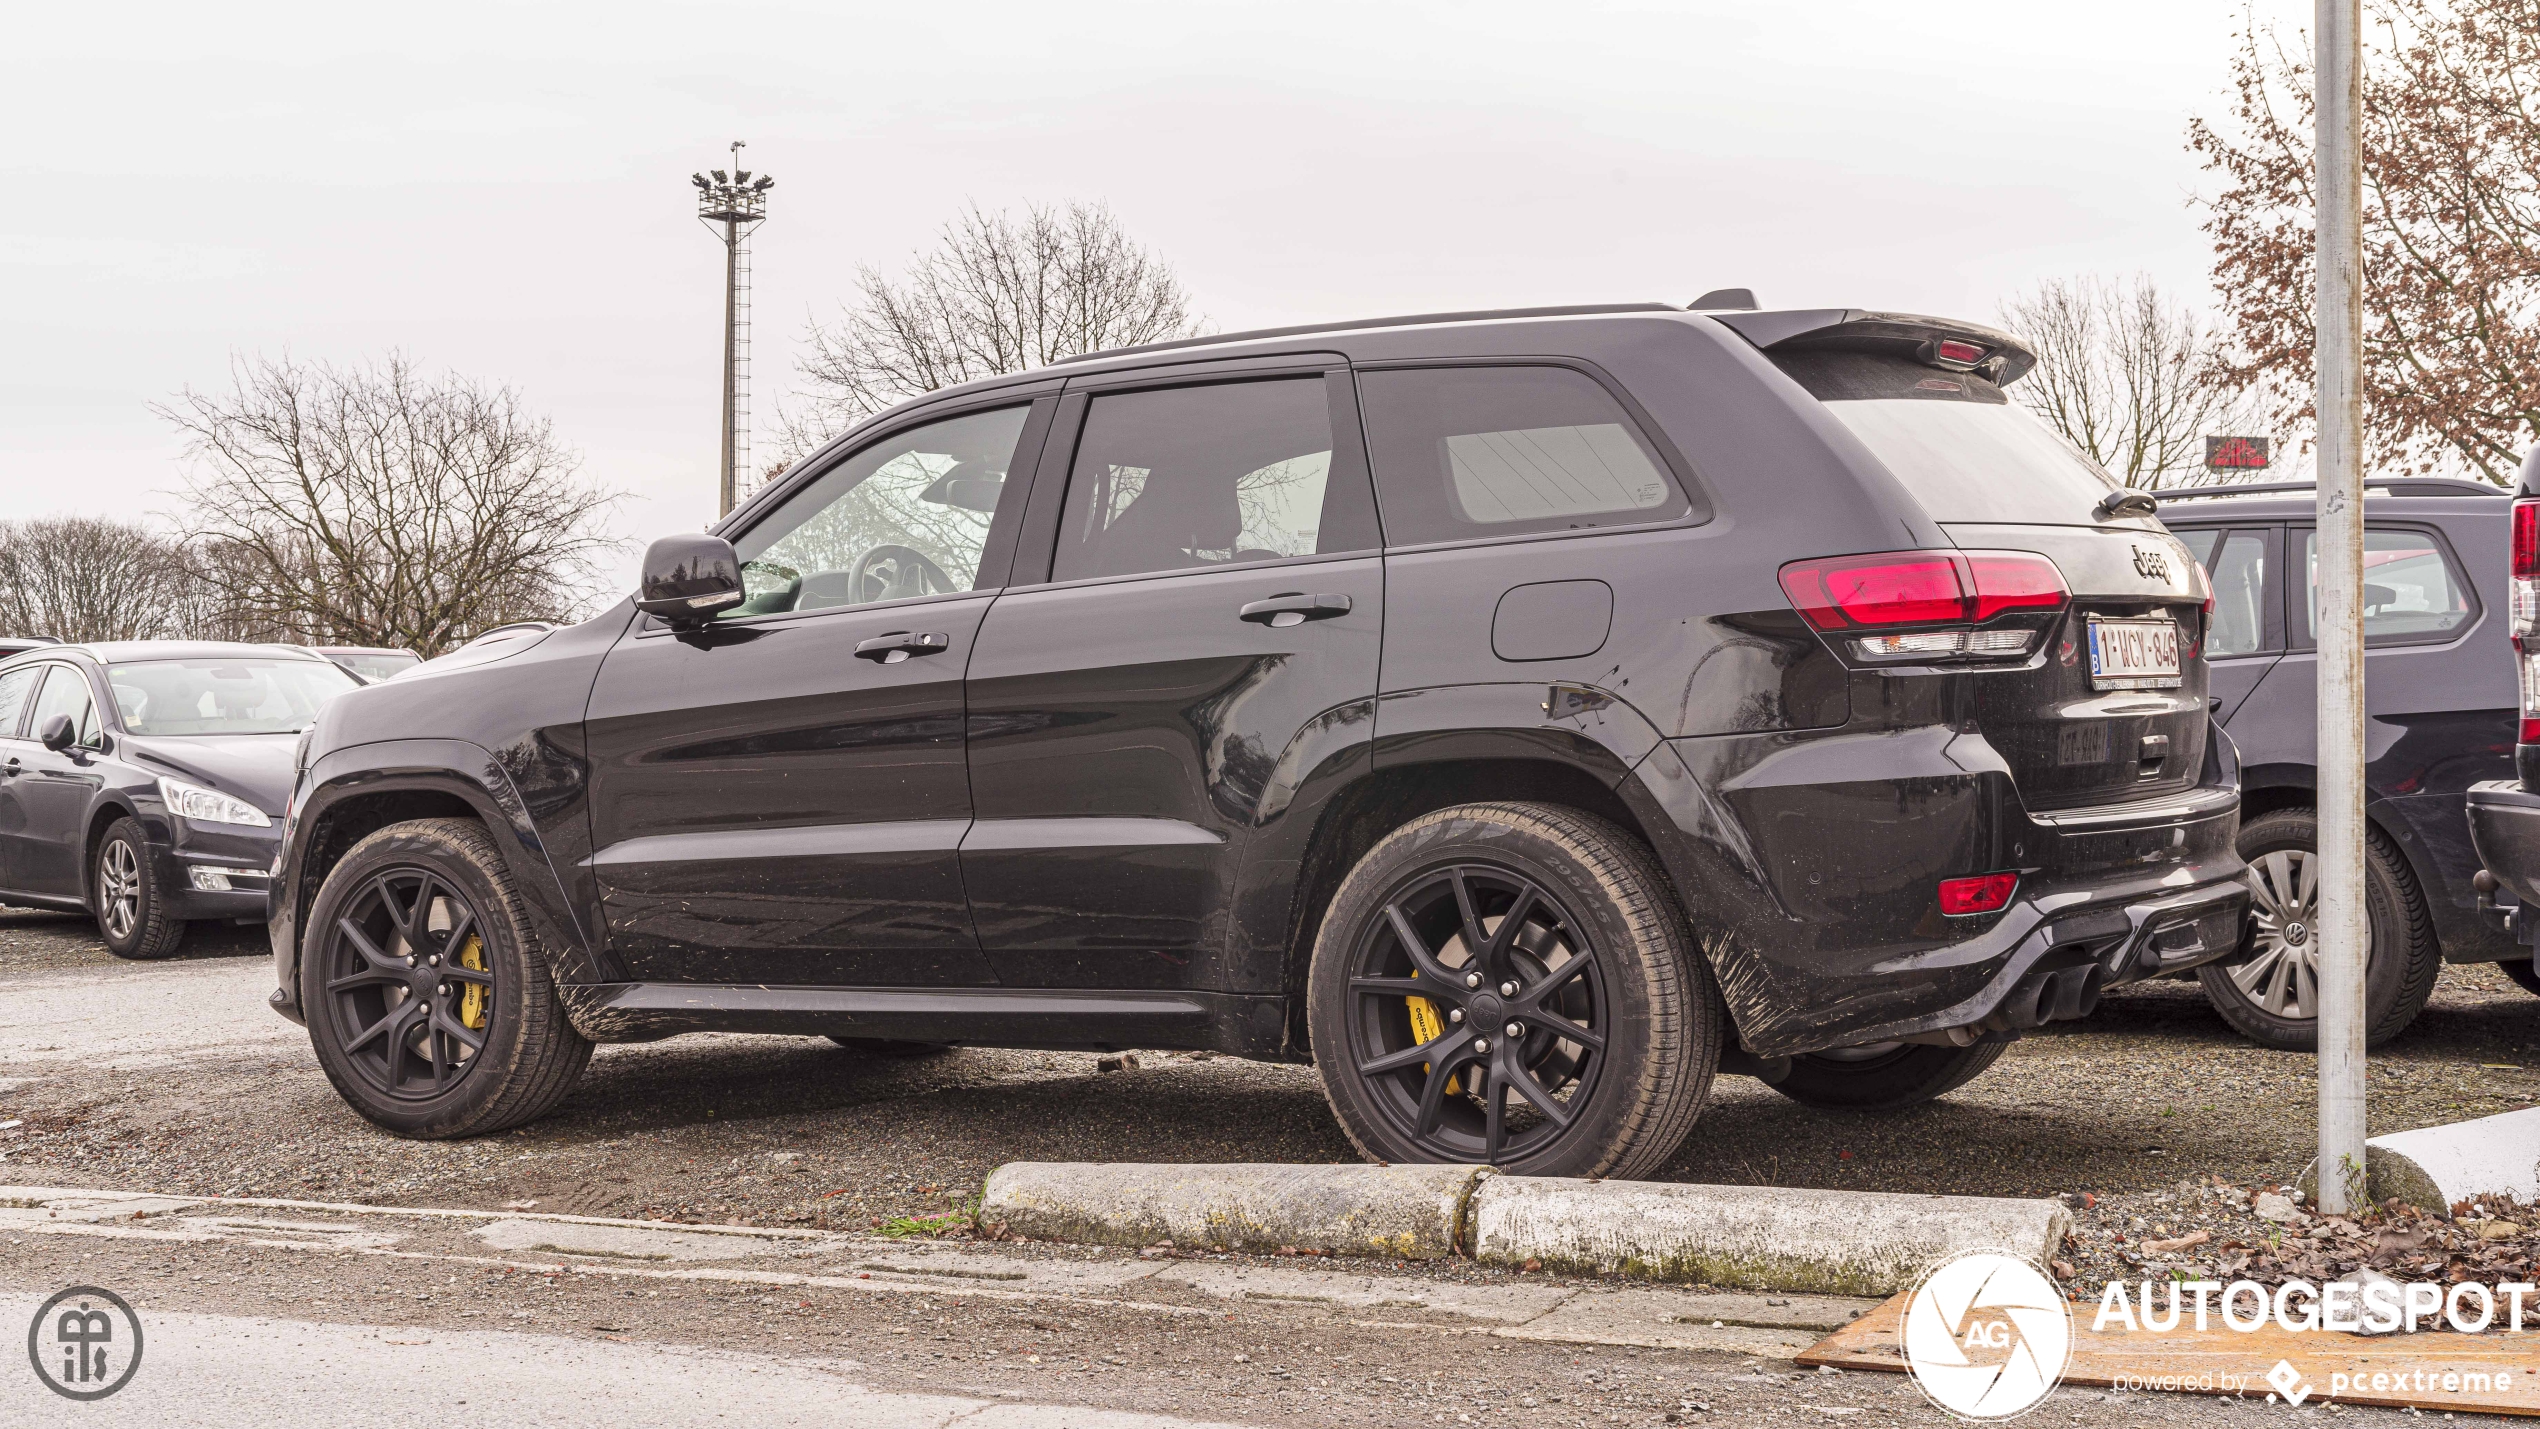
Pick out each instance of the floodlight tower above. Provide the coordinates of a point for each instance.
(732, 204)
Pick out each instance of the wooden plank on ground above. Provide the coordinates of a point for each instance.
(2220, 1361)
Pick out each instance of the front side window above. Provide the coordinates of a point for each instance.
(2236, 564)
(15, 686)
(2411, 593)
(218, 696)
(66, 694)
(905, 517)
(1206, 476)
(1494, 451)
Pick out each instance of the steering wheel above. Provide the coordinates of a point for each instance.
(911, 573)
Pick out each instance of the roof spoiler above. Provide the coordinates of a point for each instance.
(2002, 357)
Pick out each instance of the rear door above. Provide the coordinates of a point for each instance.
(2246, 636)
(781, 798)
(1203, 634)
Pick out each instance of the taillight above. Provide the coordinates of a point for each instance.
(2525, 586)
(1864, 596)
(1982, 893)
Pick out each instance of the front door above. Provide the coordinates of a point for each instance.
(1208, 636)
(17, 745)
(780, 799)
(54, 788)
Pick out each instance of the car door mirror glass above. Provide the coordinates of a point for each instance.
(688, 579)
(58, 733)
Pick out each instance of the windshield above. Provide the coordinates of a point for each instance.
(378, 665)
(224, 696)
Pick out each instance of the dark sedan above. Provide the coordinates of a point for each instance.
(143, 781)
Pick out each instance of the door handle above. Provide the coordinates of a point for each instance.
(899, 645)
(10, 768)
(1294, 608)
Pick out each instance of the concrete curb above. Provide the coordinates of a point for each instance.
(2434, 1167)
(1407, 1212)
(1764, 1238)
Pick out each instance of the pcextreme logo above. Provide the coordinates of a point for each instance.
(1987, 1335)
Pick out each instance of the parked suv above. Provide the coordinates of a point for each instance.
(2439, 683)
(2504, 814)
(1521, 715)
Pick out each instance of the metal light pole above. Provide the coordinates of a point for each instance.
(733, 204)
(2345, 934)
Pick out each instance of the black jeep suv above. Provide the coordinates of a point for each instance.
(1521, 715)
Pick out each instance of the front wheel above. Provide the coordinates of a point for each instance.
(132, 916)
(429, 1003)
(1512, 984)
(1885, 1076)
(2271, 993)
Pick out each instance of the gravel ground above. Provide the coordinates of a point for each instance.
(795, 1131)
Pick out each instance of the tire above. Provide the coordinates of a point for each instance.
(437, 885)
(1599, 948)
(131, 916)
(2271, 996)
(891, 1046)
(2522, 971)
(1885, 1077)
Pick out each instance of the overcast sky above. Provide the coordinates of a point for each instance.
(502, 189)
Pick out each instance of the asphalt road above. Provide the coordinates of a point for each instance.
(173, 1077)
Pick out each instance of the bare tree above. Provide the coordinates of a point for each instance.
(378, 506)
(2451, 210)
(2126, 375)
(997, 294)
(91, 578)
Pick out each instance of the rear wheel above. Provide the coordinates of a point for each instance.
(2271, 995)
(1883, 1076)
(1512, 984)
(429, 1003)
(131, 916)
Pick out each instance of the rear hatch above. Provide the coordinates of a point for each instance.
(2105, 703)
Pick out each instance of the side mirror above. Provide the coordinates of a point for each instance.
(57, 733)
(688, 578)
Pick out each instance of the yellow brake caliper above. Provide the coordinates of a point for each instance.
(473, 996)
(1428, 1027)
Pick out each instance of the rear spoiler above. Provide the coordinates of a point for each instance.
(2000, 357)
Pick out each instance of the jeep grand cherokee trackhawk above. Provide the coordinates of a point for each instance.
(1521, 715)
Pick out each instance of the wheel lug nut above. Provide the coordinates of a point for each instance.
(435, 960)
(1481, 1044)
(1455, 1014)
(1508, 989)
(1472, 979)
(1516, 1029)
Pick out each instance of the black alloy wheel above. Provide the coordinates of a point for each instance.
(1477, 985)
(430, 1002)
(1513, 984)
(407, 972)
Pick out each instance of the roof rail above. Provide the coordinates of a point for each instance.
(2394, 485)
(1408, 320)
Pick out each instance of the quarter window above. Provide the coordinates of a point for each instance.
(907, 516)
(2236, 564)
(1208, 476)
(1493, 451)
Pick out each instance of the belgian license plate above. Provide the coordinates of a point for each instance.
(2134, 655)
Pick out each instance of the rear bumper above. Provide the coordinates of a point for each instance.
(2504, 826)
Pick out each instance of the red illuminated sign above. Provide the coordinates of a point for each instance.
(2236, 453)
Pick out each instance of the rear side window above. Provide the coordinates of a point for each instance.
(14, 688)
(1463, 452)
(1965, 450)
(1225, 474)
